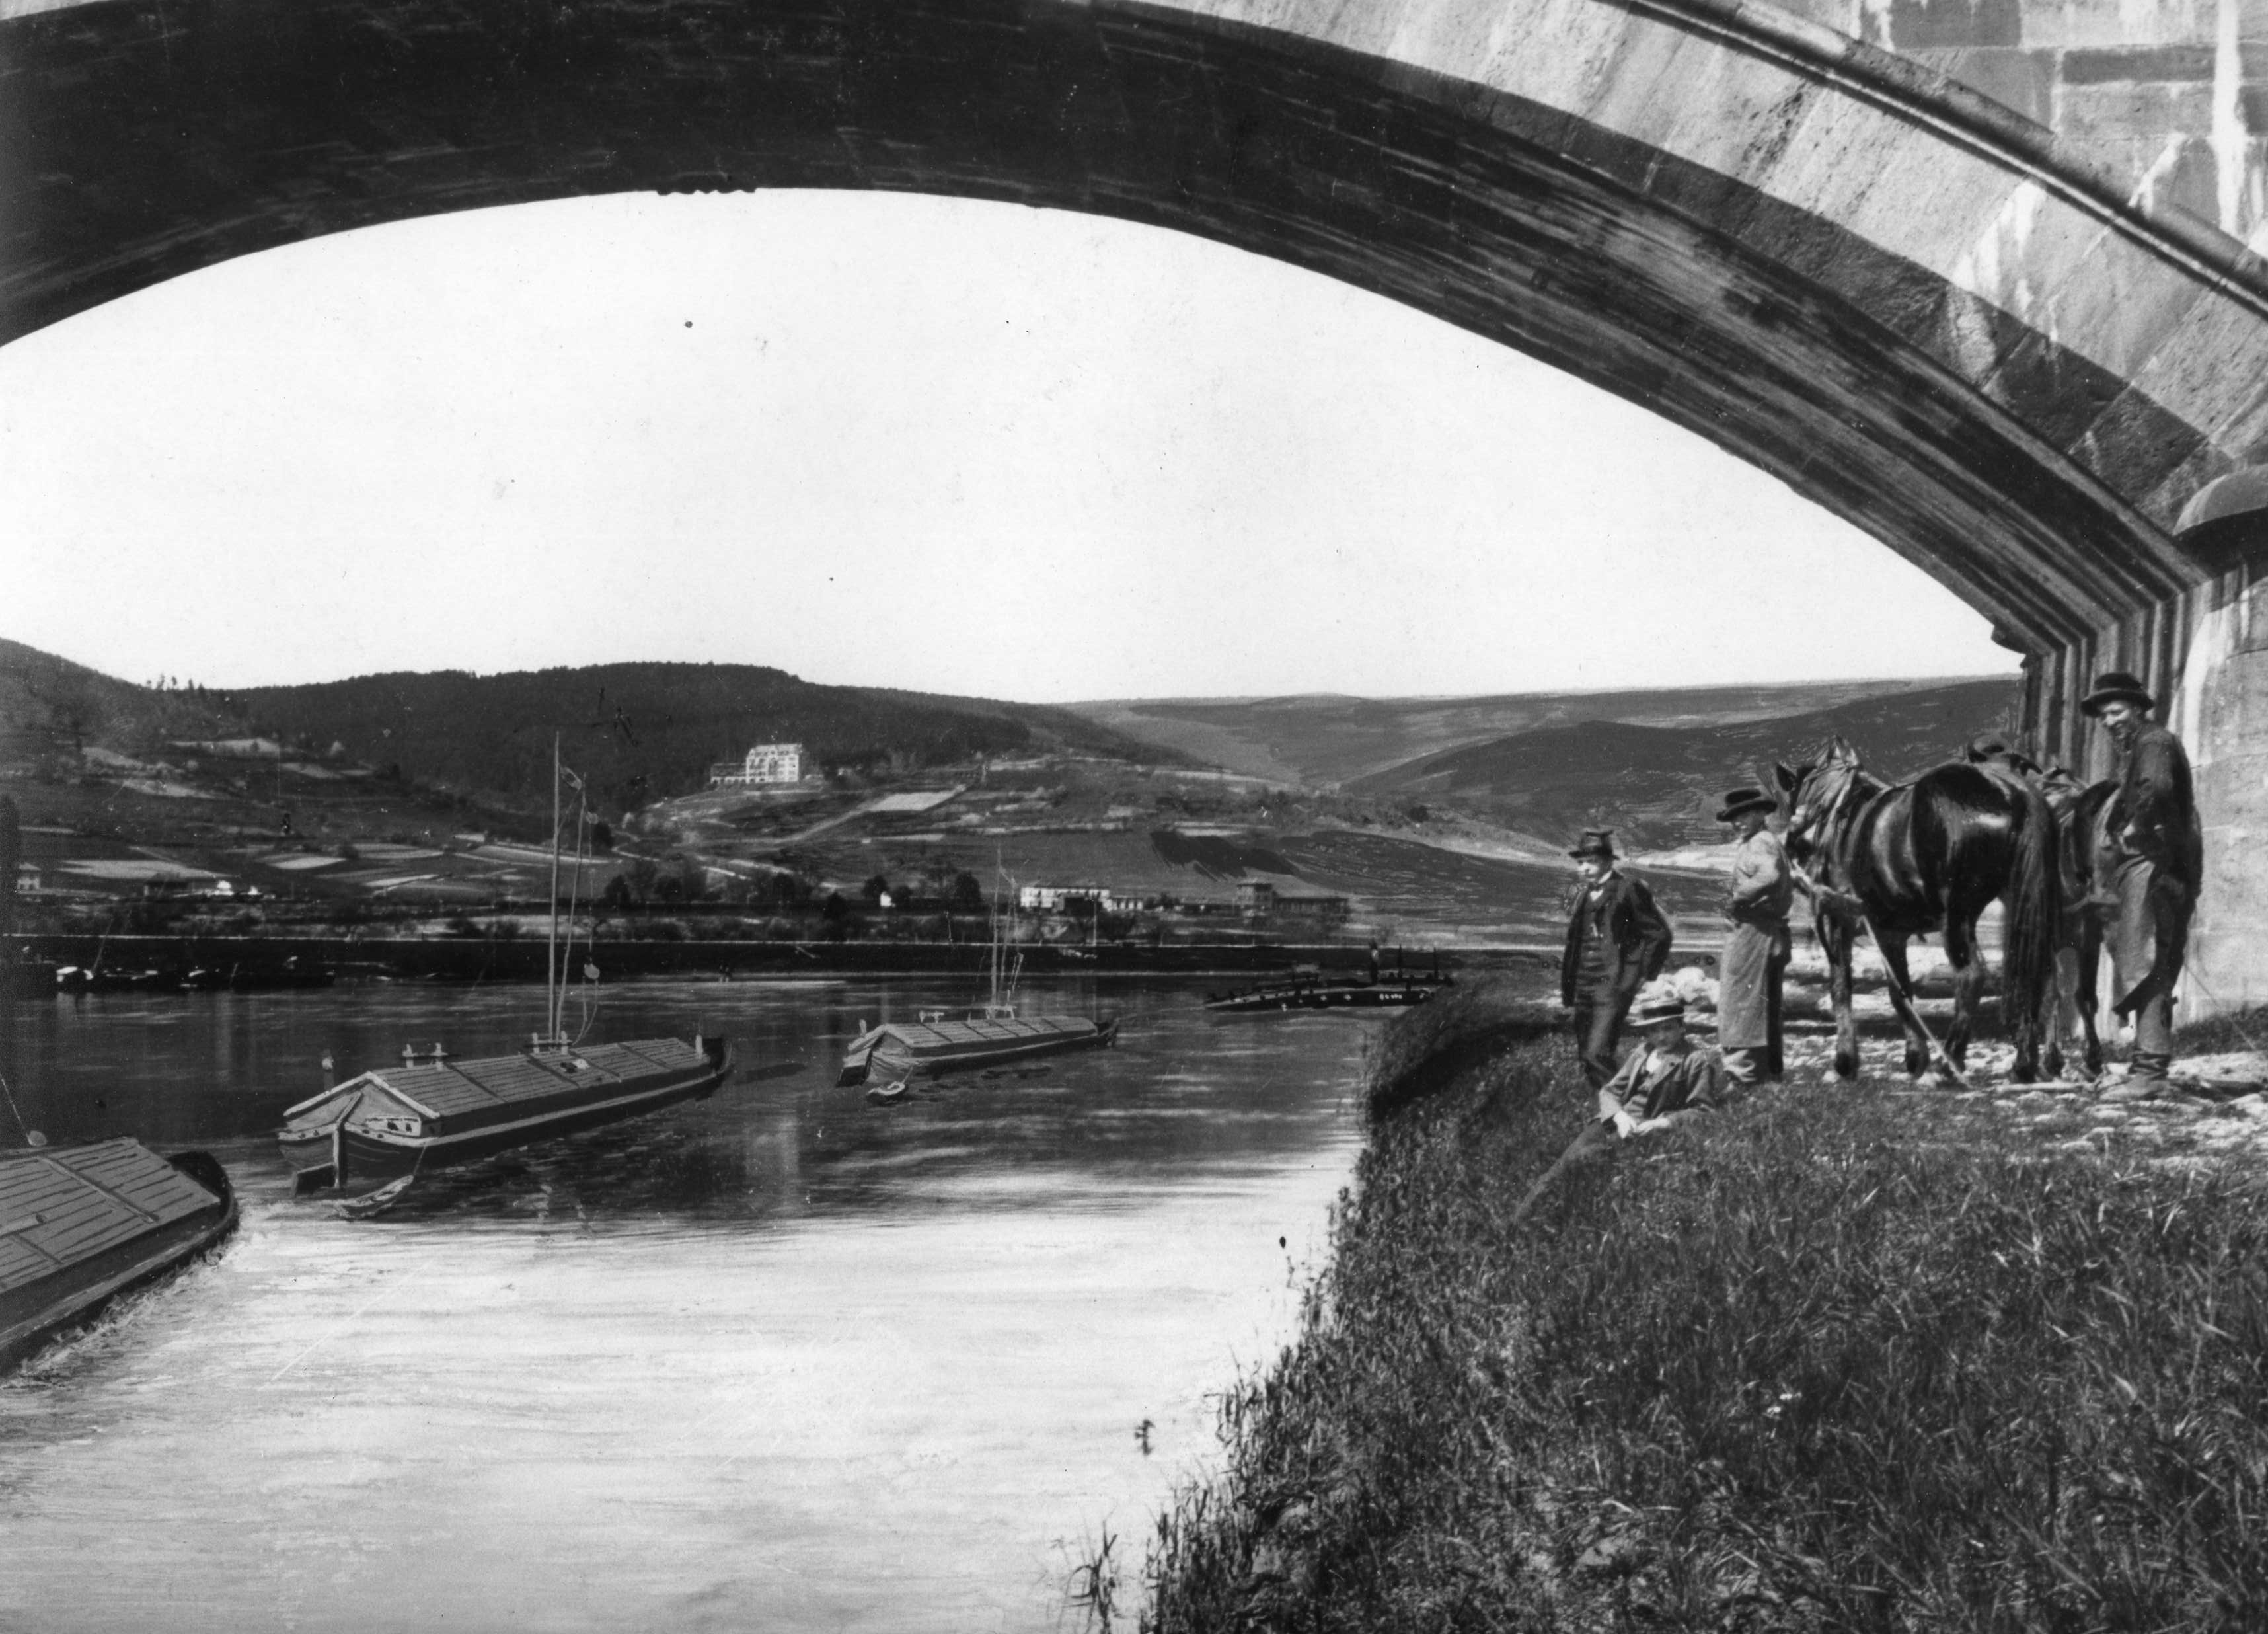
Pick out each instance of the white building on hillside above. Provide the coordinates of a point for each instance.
(766, 763)
(1057, 898)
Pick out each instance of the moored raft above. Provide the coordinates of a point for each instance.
(937, 1044)
(82, 1224)
(434, 1111)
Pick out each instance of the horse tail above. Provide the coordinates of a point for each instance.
(2034, 910)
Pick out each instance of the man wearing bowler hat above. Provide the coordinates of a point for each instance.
(1755, 960)
(2154, 854)
(1617, 939)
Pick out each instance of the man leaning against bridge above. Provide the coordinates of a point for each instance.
(1617, 939)
(2153, 858)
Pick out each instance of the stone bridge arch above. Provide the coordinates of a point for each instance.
(1914, 304)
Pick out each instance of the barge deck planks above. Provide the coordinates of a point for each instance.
(79, 1224)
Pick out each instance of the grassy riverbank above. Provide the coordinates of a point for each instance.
(1858, 1359)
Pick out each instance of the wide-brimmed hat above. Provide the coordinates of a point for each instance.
(1741, 802)
(1596, 842)
(1657, 1003)
(2113, 685)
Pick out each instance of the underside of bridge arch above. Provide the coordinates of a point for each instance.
(1901, 299)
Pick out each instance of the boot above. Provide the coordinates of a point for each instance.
(2146, 1080)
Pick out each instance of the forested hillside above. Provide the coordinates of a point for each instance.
(641, 732)
(636, 732)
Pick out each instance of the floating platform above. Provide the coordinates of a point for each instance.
(1392, 990)
(82, 1224)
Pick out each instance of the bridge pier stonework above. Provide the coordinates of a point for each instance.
(2205, 656)
(1974, 276)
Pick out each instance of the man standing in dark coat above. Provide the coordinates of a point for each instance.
(2153, 857)
(1617, 939)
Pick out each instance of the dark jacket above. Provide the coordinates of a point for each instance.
(1636, 945)
(2155, 813)
(1672, 1085)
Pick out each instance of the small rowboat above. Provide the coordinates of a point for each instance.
(938, 1043)
(82, 1224)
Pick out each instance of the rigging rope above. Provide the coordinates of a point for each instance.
(31, 1136)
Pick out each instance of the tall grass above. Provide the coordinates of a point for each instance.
(1836, 1359)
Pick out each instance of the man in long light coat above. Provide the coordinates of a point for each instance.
(1755, 960)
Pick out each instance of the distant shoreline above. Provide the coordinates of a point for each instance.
(450, 958)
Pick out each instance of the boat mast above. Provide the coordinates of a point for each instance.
(554, 1022)
(996, 925)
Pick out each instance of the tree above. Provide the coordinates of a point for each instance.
(967, 895)
(790, 891)
(875, 889)
(67, 696)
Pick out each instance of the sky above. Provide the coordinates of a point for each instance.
(877, 439)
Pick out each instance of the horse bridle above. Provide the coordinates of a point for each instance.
(1809, 817)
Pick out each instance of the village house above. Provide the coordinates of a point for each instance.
(765, 764)
(1258, 900)
(1057, 898)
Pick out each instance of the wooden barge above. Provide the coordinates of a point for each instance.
(82, 1224)
(433, 1111)
(991, 1037)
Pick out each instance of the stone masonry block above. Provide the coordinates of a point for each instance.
(2062, 24)
(2212, 370)
(2021, 80)
(1916, 24)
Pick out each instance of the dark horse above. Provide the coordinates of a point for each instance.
(2079, 810)
(1925, 857)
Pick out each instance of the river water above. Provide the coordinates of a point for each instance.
(779, 1360)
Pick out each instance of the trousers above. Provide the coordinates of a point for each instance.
(1599, 1013)
(1597, 1139)
(2145, 918)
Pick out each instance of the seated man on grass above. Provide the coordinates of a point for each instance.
(1666, 1081)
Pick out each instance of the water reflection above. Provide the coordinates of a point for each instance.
(782, 1358)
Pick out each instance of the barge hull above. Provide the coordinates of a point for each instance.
(35, 1307)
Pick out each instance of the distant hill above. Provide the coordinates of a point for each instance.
(1658, 785)
(636, 732)
(644, 731)
(49, 704)
(1323, 739)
